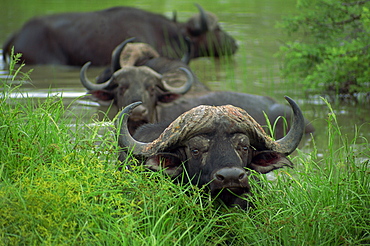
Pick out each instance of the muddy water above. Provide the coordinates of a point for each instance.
(253, 69)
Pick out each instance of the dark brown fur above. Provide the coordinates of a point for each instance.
(76, 38)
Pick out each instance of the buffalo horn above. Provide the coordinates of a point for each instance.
(291, 141)
(117, 53)
(87, 83)
(203, 19)
(187, 56)
(125, 139)
(182, 89)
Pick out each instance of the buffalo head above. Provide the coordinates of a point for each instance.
(129, 53)
(206, 36)
(217, 146)
(130, 83)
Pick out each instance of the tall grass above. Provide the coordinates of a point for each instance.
(59, 187)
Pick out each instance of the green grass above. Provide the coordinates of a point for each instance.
(59, 187)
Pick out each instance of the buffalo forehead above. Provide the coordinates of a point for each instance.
(223, 124)
(207, 119)
(211, 120)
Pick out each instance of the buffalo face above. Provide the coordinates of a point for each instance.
(217, 147)
(222, 158)
(130, 84)
(131, 81)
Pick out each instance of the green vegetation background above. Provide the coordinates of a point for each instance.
(331, 47)
(59, 185)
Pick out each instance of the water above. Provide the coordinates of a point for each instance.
(253, 69)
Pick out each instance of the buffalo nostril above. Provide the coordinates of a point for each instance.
(220, 177)
(242, 176)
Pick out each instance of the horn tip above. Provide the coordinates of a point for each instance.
(288, 98)
(131, 39)
(136, 103)
(291, 102)
(131, 106)
(87, 64)
(128, 109)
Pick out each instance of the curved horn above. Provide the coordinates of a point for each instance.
(203, 18)
(291, 141)
(117, 53)
(184, 88)
(179, 128)
(87, 83)
(187, 56)
(125, 139)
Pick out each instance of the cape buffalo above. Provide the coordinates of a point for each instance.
(134, 80)
(217, 146)
(130, 84)
(129, 53)
(76, 38)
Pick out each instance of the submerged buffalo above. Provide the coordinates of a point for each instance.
(132, 53)
(134, 80)
(76, 38)
(130, 84)
(216, 146)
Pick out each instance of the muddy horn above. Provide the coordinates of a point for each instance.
(87, 83)
(291, 141)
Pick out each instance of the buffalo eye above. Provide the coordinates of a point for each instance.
(195, 152)
(243, 148)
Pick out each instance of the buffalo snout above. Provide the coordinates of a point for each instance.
(230, 177)
(230, 184)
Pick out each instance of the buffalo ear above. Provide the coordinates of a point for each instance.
(266, 161)
(168, 97)
(169, 163)
(102, 95)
